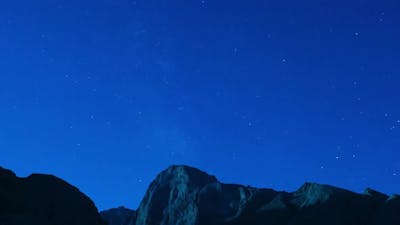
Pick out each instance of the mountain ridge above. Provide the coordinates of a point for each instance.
(185, 195)
(41, 199)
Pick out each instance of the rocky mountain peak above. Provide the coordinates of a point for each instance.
(375, 194)
(173, 192)
(182, 173)
(312, 193)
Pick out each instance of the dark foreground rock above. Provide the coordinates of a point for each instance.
(43, 200)
(182, 195)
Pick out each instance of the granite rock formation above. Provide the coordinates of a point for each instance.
(182, 195)
(43, 200)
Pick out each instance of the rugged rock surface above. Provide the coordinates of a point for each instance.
(182, 195)
(43, 200)
(119, 216)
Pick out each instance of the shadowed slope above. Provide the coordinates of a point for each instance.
(43, 200)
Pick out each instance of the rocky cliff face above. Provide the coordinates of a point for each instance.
(43, 200)
(182, 195)
(172, 197)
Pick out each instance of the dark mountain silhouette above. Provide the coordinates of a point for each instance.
(183, 195)
(119, 216)
(43, 200)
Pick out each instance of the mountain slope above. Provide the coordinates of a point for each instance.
(43, 200)
(182, 195)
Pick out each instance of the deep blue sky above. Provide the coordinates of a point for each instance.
(105, 94)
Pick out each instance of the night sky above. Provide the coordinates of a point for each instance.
(106, 94)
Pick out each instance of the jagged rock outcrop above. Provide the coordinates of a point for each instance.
(119, 216)
(183, 195)
(43, 200)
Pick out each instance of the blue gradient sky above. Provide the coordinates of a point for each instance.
(105, 94)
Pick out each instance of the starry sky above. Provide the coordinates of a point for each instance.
(105, 94)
